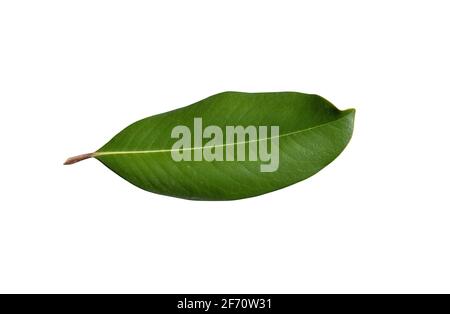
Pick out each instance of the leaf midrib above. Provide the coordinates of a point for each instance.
(99, 154)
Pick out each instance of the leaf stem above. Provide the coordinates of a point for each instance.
(78, 158)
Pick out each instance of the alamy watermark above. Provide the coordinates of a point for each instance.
(250, 143)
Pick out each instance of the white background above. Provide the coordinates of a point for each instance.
(74, 73)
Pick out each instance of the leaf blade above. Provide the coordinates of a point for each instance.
(312, 134)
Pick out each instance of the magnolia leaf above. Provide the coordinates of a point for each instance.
(229, 146)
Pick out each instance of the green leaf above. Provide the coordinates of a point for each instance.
(312, 133)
